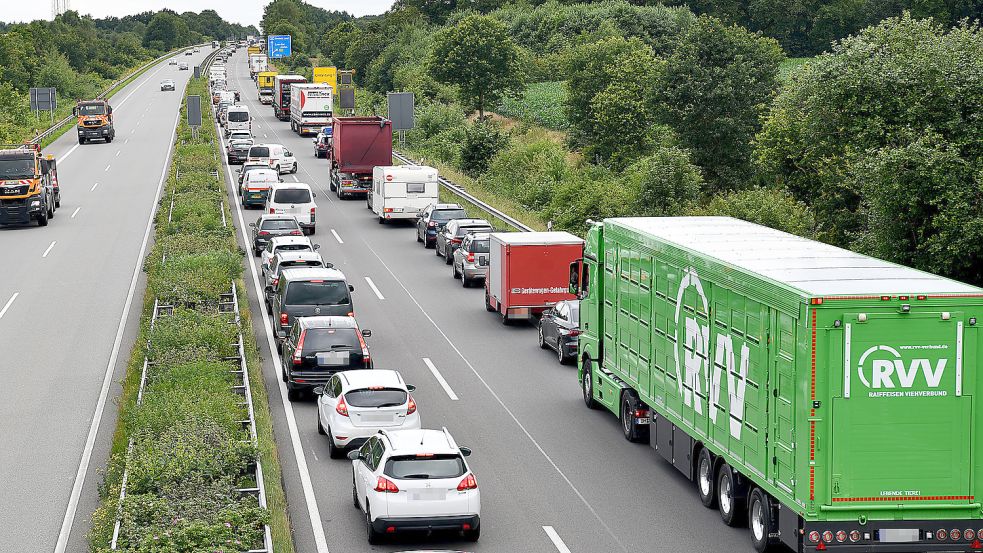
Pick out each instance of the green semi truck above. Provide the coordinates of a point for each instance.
(822, 397)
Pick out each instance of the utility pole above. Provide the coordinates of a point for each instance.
(59, 7)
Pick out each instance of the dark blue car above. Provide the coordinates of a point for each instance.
(433, 219)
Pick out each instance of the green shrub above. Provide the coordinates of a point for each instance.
(528, 171)
(766, 206)
(482, 140)
(591, 192)
(195, 279)
(188, 336)
(540, 104)
(666, 181)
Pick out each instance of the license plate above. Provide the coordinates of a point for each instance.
(898, 535)
(482, 261)
(332, 358)
(427, 495)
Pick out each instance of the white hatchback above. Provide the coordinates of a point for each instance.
(408, 481)
(354, 405)
(293, 198)
(279, 244)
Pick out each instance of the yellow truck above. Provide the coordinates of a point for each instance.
(264, 83)
(253, 50)
(28, 185)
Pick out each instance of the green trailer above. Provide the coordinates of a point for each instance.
(822, 397)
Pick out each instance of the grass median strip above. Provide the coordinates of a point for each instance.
(185, 446)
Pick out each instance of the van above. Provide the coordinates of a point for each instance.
(293, 198)
(309, 292)
(402, 192)
(274, 155)
(237, 119)
(256, 185)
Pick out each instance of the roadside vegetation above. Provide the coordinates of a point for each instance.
(188, 458)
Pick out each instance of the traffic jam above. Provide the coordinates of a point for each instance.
(406, 478)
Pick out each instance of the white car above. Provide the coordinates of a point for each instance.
(279, 244)
(276, 156)
(293, 198)
(415, 481)
(284, 259)
(240, 135)
(173, 61)
(354, 405)
(182, 66)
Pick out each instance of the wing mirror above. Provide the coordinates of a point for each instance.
(367, 333)
(351, 288)
(410, 388)
(314, 194)
(253, 225)
(466, 451)
(319, 390)
(354, 455)
(317, 246)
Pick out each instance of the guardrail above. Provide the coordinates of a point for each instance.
(460, 191)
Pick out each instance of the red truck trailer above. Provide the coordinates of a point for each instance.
(359, 144)
(529, 271)
(281, 94)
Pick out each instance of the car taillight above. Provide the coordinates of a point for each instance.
(296, 233)
(455, 240)
(431, 224)
(284, 319)
(955, 534)
(264, 233)
(342, 407)
(275, 282)
(300, 348)
(841, 536)
(470, 258)
(827, 536)
(469, 483)
(387, 210)
(411, 406)
(385, 485)
(574, 333)
(941, 534)
(814, 536)
(854, 535)
(312, 213)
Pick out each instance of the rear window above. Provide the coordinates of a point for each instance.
(461, 231)
(479, 246)
(387, 397)
(448, 214)
(293, 248)
(326, 339)
(292, 196)
(438, 466)
(280, 224)
(238, 116)
(328, 292)
(299, 263)
(259, 151)
(574, 312)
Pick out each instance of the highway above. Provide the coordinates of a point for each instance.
(554, 475)
(70, 300)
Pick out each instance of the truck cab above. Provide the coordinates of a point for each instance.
(95, 120)
(28, 185)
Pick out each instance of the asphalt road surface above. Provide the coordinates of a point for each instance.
(554, 475)
(69, 309)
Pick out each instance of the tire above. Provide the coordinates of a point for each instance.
(587, 385)
(436, 250)
(331, 186)
(279, 345)
(759, 520)
(256, 253)
(51, 210)
(58, 202)
(81, 141)
(472, 535)
(457, 275)
(488, 305)
(559, 352)
(542, 339)
(109, 140)
(448, 258)
(633, 431)
(320, 427)
(465, 281)
(334, 451)
(283, 374)
(294, 170)
(706, 479)
(355, 494)
(43, 219)
(375, 538)
(418, 239)
(382, 220)
(278, 171)
(293, 395)
(731, 506)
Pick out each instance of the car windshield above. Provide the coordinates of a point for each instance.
(425, 467)
(280, 224)
(259, 151)
(92, 109)
(387, 397)
(317, 292)
(462, 230)
(479, 246)
(444, 215)
(17, 168)
(292, 196)
(238, 116)
(327, 339)
(292, 248)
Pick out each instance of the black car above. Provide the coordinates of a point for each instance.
(308, 292)
(432, 220)
(318, 347)
(238, 151)
(270, 226)
(449, 239)
(559, 329)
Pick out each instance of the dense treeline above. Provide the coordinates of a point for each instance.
(79, 55)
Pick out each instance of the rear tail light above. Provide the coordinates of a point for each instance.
(387, 210)
(941, 534)
(411, 407)
(272, 210)
(827, 536)
(574, 333)
(284, 319)
(312, 214)
(296, 233)
(469, 483)
(385, 485)
(814, 536)
(342, 407)
(300, 348)
(955, 534)
(264, 233)
(431, 224)
(969, 534)
(841, 536)
(455, 240)
(470, 258)
(854, 535)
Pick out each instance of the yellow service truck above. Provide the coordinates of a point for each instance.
(28, 185)
(95, 120)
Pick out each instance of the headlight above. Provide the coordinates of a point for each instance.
(35, 203)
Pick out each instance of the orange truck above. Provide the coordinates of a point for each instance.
(95, 120)
(28, 185)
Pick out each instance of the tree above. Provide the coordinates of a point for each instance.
(480, 58)
(166, 29)
(770, 207)
(666, 182)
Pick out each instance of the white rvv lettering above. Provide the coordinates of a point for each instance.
(736, 382)
(698, 338)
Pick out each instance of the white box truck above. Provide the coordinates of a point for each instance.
(402, 191)
(311, 105)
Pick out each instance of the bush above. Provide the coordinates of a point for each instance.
(540, 104)
(195, 279)
(482, 140)
(188, 336)
(666, 182)
(765, 206)
(528, 171)
(589, 193)
(439, 132)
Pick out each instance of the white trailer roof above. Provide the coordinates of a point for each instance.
(807, 265)
(537, 238)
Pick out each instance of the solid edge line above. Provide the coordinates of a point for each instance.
(555, 538)
(69, 520)
(320, 539)
(374, 288)
(7, 305)
(68, 153)
(440, 379)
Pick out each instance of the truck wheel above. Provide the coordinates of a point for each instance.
(81, 140)
(587, 385)
(43, 218)
(488, 305)
(706, 479)
(759, 520)
(382, 220)
(731, 506)
(633, 431)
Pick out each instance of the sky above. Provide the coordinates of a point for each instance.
(245, 12)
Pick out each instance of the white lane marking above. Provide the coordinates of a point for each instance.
(7, 305)
(499, 400)
(93, 187)
(48, 250)
(555, 538)
(440, 379)
(374, 288)
(107, 167)
(336, 237)
(117, 151)
(133, 131)
(314, 453)
(90, 440)
(76, 212)
(68, 153)
(265, 135)
(320, 539)
(127, 141)
(295, 178)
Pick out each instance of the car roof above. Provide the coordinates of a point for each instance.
(328, 321)
(447, 206)
(409, 442)
(363, 378)
(276, 216)
(312, 273)
(269, 144)
(299, 256)
(283, 240)
(256, 173)
(480, 235)
(282, 185)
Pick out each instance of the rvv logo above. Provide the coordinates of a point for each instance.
(888, 370)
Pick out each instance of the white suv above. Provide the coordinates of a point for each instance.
(415, 480)
(354, 405)
(293, 198)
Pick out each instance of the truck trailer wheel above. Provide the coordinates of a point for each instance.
(759, 520)
(729, 501)
(633, 431)
(706, 479)
(587, 385)
(488, 304)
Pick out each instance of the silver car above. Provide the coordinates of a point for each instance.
(167, 84)
(471, 259)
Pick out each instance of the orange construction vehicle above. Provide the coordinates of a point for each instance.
(28, 185)
(95, 120)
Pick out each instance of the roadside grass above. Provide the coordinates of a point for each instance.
(789, 67)
(539, 104)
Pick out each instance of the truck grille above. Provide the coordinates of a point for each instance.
(20, 202)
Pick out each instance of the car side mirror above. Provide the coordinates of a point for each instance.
(253, 225)
(410, 388)
(466, 451)
(354, 455)
(75, 111)
(351, 288)
(319, 390)
(317, 246)
(328, 265)
(367, 333)
(314, 194)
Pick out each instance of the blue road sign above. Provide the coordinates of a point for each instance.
(278, 46)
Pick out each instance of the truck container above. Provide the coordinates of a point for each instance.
(311, 106)
(257, 64)
(527, 272)
(264, 86)
(250, 50)
(281, 94)
(358, 145)
(822, 397)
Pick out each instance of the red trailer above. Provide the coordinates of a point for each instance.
(359, 144)
(529, 271)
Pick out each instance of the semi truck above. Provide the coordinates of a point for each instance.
(28, 185)
(95, 120)
(281, 94)
(311, 106)
(358, 145)
(823, 398)
(257, 64)
(264, 85)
